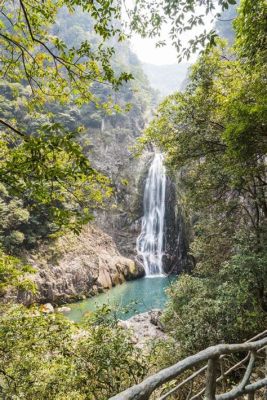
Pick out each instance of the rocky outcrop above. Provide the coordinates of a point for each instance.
(145, 327)
(123, 220)
(109, 139)
(176, 258)
(77, 267)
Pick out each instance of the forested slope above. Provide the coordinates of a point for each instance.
(215, 133)
(105, 137)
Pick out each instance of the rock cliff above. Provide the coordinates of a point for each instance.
(108, 141)
(78, 266)
(177, 258)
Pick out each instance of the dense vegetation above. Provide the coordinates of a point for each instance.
(58, 188)
(58, 82)
(47, 357)
(215, 134)
(54, 68)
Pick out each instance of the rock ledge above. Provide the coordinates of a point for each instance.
(77, 267)
(145, 327)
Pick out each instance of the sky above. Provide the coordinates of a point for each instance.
(147, 51)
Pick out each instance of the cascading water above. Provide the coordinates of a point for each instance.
(150, 243)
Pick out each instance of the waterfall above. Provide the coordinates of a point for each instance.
(150, 243)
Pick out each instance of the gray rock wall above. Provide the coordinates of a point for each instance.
(176, 259)
(122, 219)
(78, 266)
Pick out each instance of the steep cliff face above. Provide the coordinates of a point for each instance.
(177, 233)
(75, 267)
(109, 136)
(123, 220)
(109, 142)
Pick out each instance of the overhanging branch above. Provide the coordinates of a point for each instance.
(6, 124)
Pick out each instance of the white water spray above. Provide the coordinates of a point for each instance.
(150, 242)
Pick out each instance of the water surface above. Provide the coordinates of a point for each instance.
(128, 299)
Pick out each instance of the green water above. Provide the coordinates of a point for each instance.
(128, 299)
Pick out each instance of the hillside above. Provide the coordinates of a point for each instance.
(166, 78)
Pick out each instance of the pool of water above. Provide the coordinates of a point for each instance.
(128, 299)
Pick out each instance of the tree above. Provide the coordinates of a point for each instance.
(149, 17)
(215, 130)
(224, 307)
(31, 52)
(55, 70)
(251, 31)
(214, 133)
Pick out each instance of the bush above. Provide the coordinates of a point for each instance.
(48, 357)
(226, 307)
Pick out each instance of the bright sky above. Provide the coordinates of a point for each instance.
(147, 51)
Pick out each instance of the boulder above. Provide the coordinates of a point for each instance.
(47, 308)
(155, 315)
(63, 309)
(145, 327)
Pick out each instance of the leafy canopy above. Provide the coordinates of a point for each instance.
(52, 170)
(224, 307)
(148, 18)
(33, 53)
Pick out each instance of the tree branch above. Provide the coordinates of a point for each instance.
(13, 129)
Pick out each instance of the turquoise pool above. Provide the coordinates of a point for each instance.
(128, 299)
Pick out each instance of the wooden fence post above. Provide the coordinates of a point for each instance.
(251, 396)
(265, 390)
(210, 391)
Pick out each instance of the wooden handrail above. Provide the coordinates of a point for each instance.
(198, 372)
(226, 373)
(143, 390)
(188, 379)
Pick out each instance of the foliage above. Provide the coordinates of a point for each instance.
(48, 357)
(52, 69)
(48, 184)
(62, 191)
(42, 163)
(12, 274)
(148, 18)
(225, 307)
(51, 169)
(13, 216)
(214, 133)
(251, 30)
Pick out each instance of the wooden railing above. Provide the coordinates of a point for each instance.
(255, 349)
